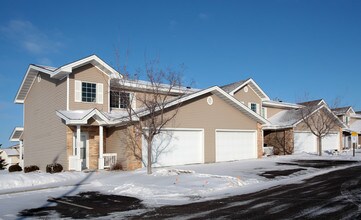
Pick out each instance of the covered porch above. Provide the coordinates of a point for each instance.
(86, 140)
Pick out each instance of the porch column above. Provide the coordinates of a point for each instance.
(21, 161)
(78, 138)
(101, 148)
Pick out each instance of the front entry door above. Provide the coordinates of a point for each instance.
(83, 150)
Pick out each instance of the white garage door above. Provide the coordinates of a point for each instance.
(331, 142)
(235, 145)
(176, 147)
(305, 142)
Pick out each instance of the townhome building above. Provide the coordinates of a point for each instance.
(286, 130)
(352, 120)
(75, 115)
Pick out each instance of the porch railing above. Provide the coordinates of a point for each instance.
(74, 163)
(109, 159)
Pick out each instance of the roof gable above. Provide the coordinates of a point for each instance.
(60, 73)
(343, 110)
(223, 95)
(234, 87)
(291, 118)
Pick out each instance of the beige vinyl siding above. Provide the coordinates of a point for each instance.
(219, 115)
(195, 114)
(248, 97)
(118, 141)
(272, 111)
(91, 74)
(44, 133)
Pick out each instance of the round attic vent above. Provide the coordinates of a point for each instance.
(210, 100)
(245, 89)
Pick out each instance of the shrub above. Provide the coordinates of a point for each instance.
(3, 164)
(31, 168)
(117, 166)
(15, 168)
(54, 168)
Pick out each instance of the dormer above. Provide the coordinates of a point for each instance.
(250, 94)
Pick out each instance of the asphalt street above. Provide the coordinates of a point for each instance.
(335, 195)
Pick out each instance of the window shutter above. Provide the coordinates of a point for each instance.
(99, 93)
(77, 91)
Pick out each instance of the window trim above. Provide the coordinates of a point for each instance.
(257, 107)
(78, 92)
(132, 100)
(96, 92)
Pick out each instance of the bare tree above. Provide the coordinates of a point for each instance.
(320, 120)
(151, 108)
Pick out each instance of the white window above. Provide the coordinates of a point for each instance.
(88, 92)
(121, 100)
(347, 120)
(253, 107)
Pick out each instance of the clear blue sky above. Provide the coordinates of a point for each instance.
(289, 47)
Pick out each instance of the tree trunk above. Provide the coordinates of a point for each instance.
(319, 146)
(149, 156)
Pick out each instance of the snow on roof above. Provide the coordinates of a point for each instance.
(285, 118)
(10, 152)
(80, 117)
(272, 103)
(75, 114)
(115, 115)
(289, 118)
(356, 126)
(146, 85)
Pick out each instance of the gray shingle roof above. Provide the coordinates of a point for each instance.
(341, 111)
(310, 103)
(50, 68)
(232, 86)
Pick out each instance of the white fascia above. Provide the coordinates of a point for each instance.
(222, 94)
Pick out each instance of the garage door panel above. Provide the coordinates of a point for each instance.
(331, 141)
(305, 142)
(176, 147)
(235, 145)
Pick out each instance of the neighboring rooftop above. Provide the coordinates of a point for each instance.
(311, 103)
(10, 152)
(341, 110)
(272, 103)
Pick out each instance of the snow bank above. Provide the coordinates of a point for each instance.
(169, 186)
(19, 179)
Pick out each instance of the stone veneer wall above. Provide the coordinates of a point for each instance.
(279, 140)
(259, 140)
(93, 134)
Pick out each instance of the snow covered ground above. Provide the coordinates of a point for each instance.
(166, 186)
